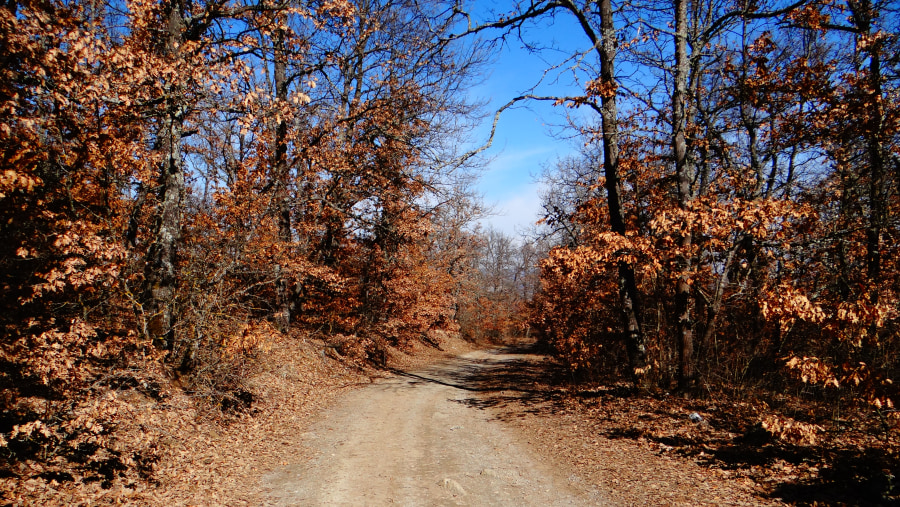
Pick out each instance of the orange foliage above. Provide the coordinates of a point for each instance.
(788, 272)
(327, 219)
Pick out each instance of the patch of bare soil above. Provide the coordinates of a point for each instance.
(500, 427)
(643, 448)
(209, 459)
(216, 461)
(591, 438)
(413, 439)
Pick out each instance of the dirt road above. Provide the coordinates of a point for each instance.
(422, 439)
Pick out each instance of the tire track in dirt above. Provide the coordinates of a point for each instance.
(418, 439)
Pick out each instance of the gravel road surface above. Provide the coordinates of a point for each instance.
(418, 439)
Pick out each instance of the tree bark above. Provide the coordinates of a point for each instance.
(684, 318)
(635, 342)
(281, 173)
(160, 272)
(862, 12)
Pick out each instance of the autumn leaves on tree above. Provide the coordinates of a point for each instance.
(181, 182)
(740, 215)
(181, 179)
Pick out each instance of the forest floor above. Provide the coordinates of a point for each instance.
(471, 431)
(460, 426)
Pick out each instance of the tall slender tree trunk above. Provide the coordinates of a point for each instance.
(862, 12)
(281, 173)
(635, 341)
(685, 322)
(160, 272)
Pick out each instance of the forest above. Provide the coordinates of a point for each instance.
(186, 183)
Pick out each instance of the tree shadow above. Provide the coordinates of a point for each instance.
(846, 475)
(509, 376)
(519, 381)
(864, 477)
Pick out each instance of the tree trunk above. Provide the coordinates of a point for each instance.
(281, 173)
(635, 341)
(862, 12)
(685, 322)
(160, 272)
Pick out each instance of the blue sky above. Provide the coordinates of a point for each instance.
(529, 136)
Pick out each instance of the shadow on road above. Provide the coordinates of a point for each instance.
(501, 377)
(520, 381)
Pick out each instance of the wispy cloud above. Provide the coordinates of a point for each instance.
(512, 172)
(516, 213)
(517, 158)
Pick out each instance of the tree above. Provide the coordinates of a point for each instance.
(596, 22)
(753, 179)
(190, 173)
